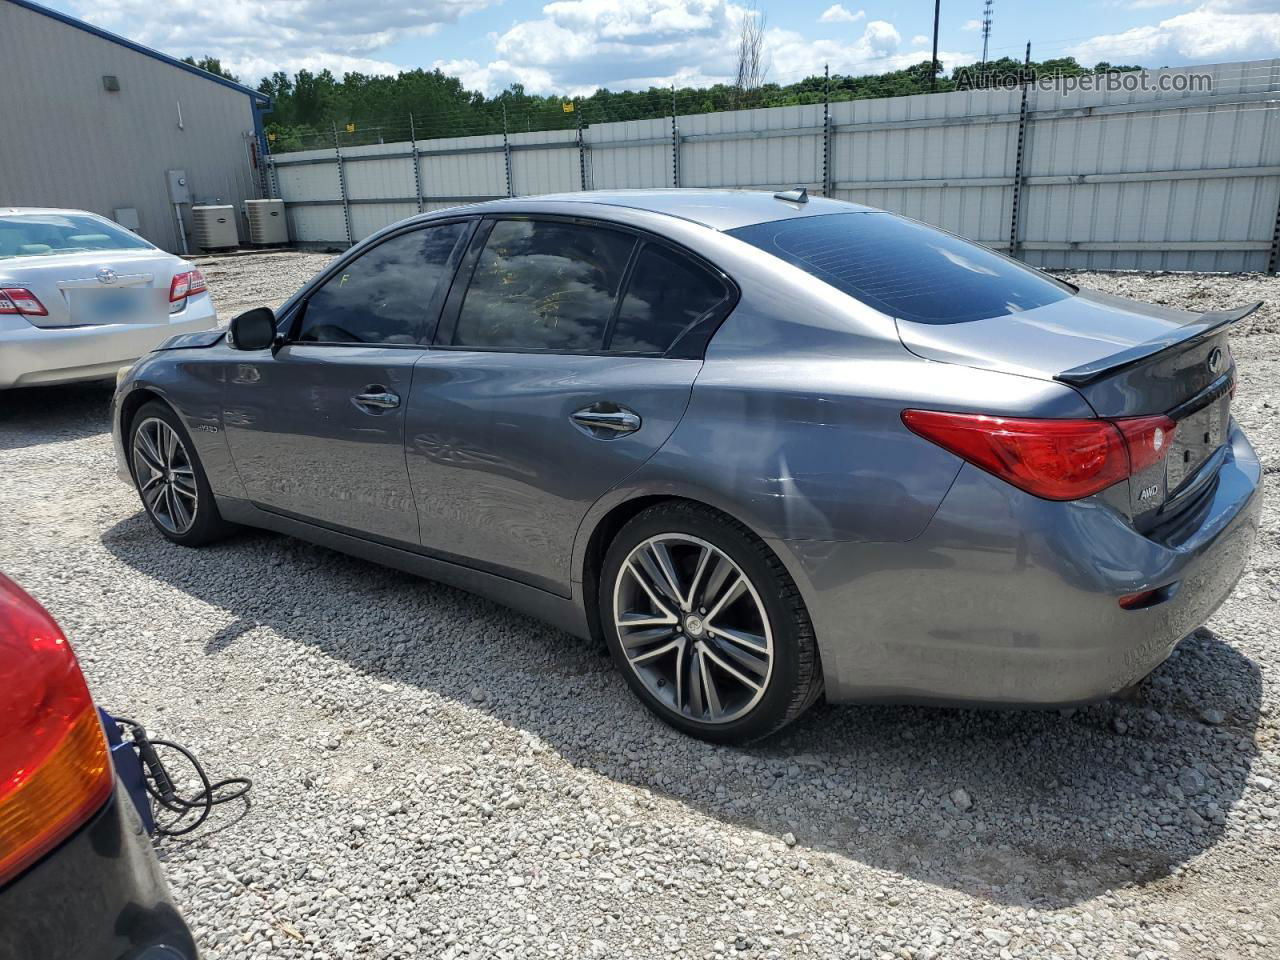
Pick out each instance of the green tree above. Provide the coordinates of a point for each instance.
(212, 65)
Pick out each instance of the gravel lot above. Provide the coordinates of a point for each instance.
(437, 776)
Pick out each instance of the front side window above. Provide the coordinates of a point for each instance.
(385, 295)
(543, 285)
(667, 295)
(905, 269)
(46, 234)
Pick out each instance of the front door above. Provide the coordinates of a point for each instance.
(551, 381)
(317, 429)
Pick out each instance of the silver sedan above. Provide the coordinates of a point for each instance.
(80, 297)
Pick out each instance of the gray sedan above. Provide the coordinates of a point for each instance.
(766, 447)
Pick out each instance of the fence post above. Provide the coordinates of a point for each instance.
(1017, 163)
(826, 130)
(342, 184)
(675, 142)
(582, 151)
(506, 149)
(417, 176)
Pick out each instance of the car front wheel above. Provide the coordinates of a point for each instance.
(171, 482)
(706, 625)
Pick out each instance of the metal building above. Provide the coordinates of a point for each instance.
(97, 122)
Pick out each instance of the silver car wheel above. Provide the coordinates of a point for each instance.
(165, 476)
(693, 628)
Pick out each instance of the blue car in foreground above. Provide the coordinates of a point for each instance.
(79, 879)
(766, 447)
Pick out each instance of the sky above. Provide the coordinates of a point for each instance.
(575, 46)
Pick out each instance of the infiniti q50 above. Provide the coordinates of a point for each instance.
(767, 447)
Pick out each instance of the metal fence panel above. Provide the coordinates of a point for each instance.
(629, 153)
(1107, 179)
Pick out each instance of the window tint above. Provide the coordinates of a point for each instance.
(543, 285)
(383, 296)
(905, 269)
(668, 293)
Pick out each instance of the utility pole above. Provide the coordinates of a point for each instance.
(933, 64)
(986, 31)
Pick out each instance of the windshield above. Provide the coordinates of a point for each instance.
(905, 269)
(46, 234)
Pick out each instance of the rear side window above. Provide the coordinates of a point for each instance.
(668, 294)
(905, 269)
(383, 296)
(543, 285)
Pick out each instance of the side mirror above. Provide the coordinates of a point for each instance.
(253, 330)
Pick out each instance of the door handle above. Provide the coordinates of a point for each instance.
(604, 421)
(376, 396)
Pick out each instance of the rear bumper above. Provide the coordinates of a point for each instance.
(31, 356)
(99, 896)
(1006, 599)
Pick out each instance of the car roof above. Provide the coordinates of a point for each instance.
(25, 211)
(717, 209)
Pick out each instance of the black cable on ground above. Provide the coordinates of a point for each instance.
(161, 787)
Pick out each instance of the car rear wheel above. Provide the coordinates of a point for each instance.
(706, 625)
(171, 482)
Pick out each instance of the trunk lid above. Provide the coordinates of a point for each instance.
(1128, 359)
(69, 287)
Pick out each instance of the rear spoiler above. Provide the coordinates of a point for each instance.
(1202, 326)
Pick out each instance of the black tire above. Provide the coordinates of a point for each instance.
(793, 682)
(206, 524)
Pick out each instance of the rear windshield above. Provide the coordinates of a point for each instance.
(905, 269)
(44, 234)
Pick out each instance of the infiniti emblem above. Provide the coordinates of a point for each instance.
(107, 275)
(1214, 362)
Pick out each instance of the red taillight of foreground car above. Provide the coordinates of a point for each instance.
(185, 285)
(21, 301)
(1053, 459)
(55, 771)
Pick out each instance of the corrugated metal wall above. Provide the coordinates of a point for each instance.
(1118, 179)
(68, 142)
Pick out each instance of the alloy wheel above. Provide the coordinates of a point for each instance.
(693, 628)
(165, 475)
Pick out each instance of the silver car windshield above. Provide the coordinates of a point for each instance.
(906, 269)
(46, 234)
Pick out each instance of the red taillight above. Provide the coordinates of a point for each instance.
(22, 301)
(1147, 439)
(179, 287)
(1053, 459)
(186, 284)
(55, 771)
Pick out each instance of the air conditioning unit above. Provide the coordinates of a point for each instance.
(267, 224)
(215, 227)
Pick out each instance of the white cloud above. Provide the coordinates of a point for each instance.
(255, 37)
(836, 13)
(577, 46)
(1216, 30)
(919, 39)
(971, 25)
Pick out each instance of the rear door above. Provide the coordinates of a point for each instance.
(565, 359)
(317, 427)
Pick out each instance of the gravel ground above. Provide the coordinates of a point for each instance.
(437, 776)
